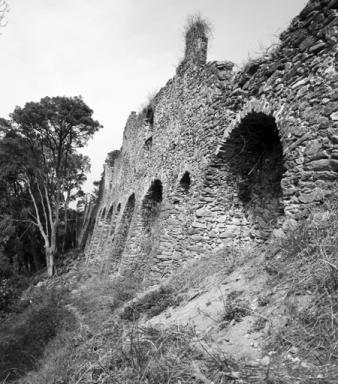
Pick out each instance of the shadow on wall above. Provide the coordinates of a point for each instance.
(121, 234)
(109, 215)
(103, 214)
(150, 211)
(254, 155)
(182, 189)
(112, 229)
(185, 183)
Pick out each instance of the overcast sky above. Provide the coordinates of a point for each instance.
(116, 53)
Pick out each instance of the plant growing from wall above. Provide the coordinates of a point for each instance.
(197, 26)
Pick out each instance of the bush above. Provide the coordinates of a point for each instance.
(235, 308)
(11, 286)
(23, 336)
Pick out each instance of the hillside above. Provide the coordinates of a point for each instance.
(261, 315)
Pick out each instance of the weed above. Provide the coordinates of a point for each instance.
(197, 26)
(263, 300)
(258, 325)
(151, 304)
(235, 308)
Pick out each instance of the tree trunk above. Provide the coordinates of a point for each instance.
(50, 261)
(64, 239)
(51, 250)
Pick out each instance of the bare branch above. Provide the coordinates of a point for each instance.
(40, 226)
(26, 221)
(48, 205)
(4, 8)
(44, 210)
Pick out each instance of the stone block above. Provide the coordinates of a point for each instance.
(334, 116)
(203, 212)
(196, 224)
(306, 198)
(318, 165)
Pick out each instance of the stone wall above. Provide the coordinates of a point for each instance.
(224, 157)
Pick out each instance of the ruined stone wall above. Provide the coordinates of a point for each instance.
(223, 157)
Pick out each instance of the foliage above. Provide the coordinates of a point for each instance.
(19, 239)
(111, 157)
(11, 286)
(235, 308)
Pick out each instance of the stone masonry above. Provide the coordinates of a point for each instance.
(223, 157)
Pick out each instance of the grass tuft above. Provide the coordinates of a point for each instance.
(197, 26)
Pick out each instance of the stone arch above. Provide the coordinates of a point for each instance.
(253, 155)
(121, 235)
(254, 105)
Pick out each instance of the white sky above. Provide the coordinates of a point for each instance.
(116, 53)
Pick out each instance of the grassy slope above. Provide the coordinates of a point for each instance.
(267, 315)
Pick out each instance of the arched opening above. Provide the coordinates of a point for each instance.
(150, 211)
(254, 155)
(121, 235)
(148, 143)
(103, 213)
(109, 215)
(118, 209)
(185, 182)
(151, 201)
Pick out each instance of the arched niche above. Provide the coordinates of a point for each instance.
(151, 203)
(110, 214)
(150, 210)
(185, 183)
(121, 235)
(103, 213)
(254, 156)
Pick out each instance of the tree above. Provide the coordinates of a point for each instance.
(78, 166)
(111, 157)
(19, 239)
(46, 136)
